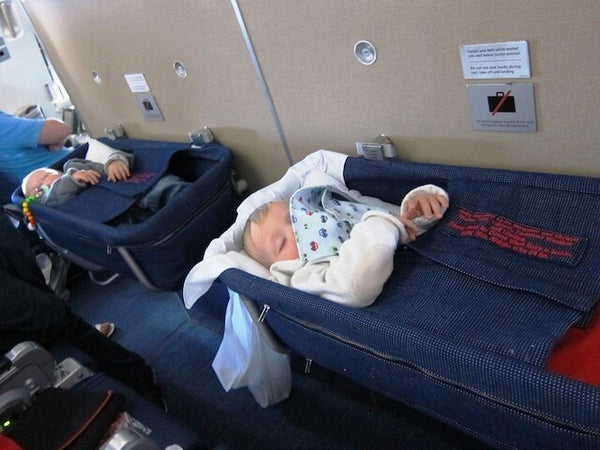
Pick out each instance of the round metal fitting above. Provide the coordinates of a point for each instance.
(180, 69)
(96, 77)
(365, 52)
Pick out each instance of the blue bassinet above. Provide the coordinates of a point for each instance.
(466, 323)
(95, 229)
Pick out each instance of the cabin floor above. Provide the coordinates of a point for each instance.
(324, 411)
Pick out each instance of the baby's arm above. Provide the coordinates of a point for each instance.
(70, 184)
(85, 176)
(355, 277)
(425, 206)
(117, 170)
(118, 165)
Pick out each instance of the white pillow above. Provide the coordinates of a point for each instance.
(98, 152)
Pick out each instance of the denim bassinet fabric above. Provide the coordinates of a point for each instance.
(466, 323)
(531, 232)
(151, 162)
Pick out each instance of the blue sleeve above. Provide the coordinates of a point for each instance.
(18, 132)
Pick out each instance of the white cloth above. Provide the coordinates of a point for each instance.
(98, 152)
(245, 358)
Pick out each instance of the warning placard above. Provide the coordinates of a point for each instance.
(497, 60)
(502, 107)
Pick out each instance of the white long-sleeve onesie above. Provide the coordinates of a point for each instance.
(355, 277)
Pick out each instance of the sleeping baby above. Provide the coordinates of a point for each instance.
(53, 187)
(56, 186)
(328, 243)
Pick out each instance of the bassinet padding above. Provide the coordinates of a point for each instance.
(466, 323)
(160, 250)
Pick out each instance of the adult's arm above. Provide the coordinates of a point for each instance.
(54, 133)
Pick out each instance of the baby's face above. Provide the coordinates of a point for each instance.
(272, 238)
(40, 177)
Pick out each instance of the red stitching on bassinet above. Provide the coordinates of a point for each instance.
(514, 236)
(139, 178)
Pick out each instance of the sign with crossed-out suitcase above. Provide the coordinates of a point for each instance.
(502, 107)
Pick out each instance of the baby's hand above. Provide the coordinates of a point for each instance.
(118, 171)
(410, 227)
(86, 176)
(425, 204)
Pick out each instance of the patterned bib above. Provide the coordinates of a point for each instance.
(322, 218)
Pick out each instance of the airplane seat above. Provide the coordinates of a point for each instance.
(39, 396)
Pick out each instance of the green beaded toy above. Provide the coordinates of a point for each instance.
(39, 192)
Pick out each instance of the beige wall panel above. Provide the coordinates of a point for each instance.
(115, 37)
(415, 92)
